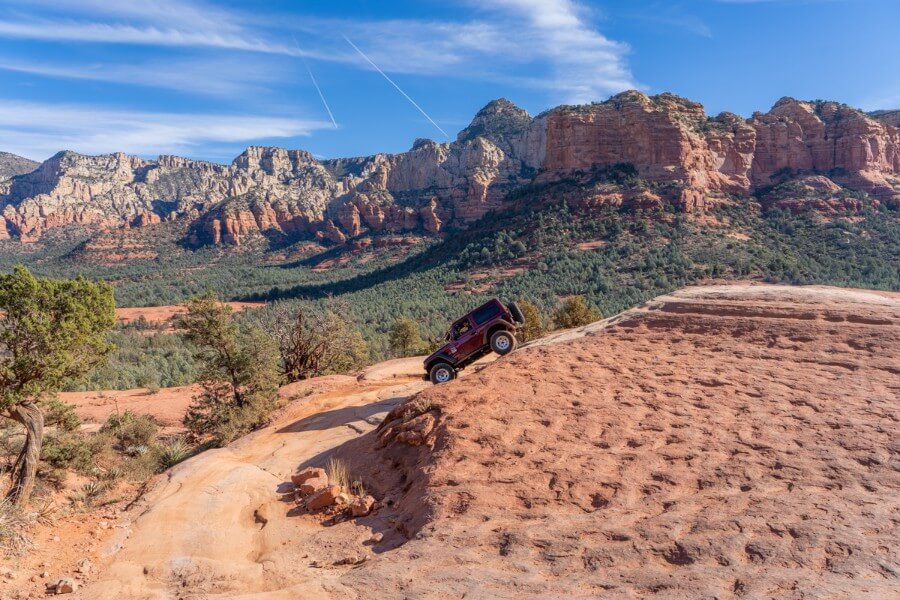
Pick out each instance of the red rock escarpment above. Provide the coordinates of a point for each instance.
(667, 139)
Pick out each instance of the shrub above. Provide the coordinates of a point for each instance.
(574, 312)
(314, 342)
(68, 450)
(405, 338)
(60, 414)
(13, 524)
(534, 326)
(239, 384)
(91, 492)
(172, 452)
(130, 430)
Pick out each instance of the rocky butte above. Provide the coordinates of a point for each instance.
(823, 146)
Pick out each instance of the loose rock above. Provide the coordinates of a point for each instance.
(64, 586)
(361, 506)
(323, 498)
(308, 473)
(312, 485)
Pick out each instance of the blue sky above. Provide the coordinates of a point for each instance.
(205, 78)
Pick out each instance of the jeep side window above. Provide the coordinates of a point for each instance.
(460, 329)
(485, 314)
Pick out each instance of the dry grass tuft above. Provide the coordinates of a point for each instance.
(338, 474)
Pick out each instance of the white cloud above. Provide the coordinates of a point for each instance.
(38, 130)
(214, 77)
(586, 64)
(551, 37)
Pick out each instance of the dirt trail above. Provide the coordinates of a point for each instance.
(217, 524)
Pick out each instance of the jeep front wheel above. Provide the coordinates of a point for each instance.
(441, 373)
(503, 342)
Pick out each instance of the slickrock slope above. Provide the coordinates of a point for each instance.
(733, 441)
(724, 441)
(668, 140)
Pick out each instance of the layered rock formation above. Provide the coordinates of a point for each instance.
(692, 159)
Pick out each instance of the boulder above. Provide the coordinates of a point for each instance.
(323, 498)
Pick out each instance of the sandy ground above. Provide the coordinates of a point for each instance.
(724, 442)
(167, 406)
(163, 314)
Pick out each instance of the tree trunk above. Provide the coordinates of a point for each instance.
(25, 470)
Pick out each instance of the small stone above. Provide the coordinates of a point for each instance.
(103, 524)
(352, 560)
(55, 538)
(376, 538)
(323, 498)
(84, 566)
(45, 574)
(361, 506)
(342, 498)
(64, 586)
(308, 473)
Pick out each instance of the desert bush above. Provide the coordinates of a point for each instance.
(172, 452)
(14, 540)
(314, 342)
(68, 450)
(130, 430)
(58, 413)
(240, 377)
(92, 492)
(534, 326)
(405, 338)
(574, 312)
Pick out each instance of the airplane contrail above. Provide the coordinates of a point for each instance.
(391, 81)
(316, 84)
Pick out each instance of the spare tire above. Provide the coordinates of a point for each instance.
(516, 312)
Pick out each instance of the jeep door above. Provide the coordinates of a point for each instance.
(468, 341)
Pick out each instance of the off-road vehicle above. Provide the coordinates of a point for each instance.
(490, 327)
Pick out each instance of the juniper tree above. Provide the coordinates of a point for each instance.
(239, 378)
(405, 337)
(52, 331)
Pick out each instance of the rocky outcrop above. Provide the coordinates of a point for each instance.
(827, 138)
(890, 117)
(12, 165)
(691, 160)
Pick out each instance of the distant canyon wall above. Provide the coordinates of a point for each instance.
(668, 139)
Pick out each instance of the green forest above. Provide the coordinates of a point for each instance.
(540, 249)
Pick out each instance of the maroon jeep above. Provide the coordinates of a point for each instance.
(491, 326)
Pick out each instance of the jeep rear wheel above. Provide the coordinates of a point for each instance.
(441, 373)
(503, 342)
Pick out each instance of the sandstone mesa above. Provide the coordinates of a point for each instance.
(668, 139)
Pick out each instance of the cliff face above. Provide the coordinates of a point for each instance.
(669, 140)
